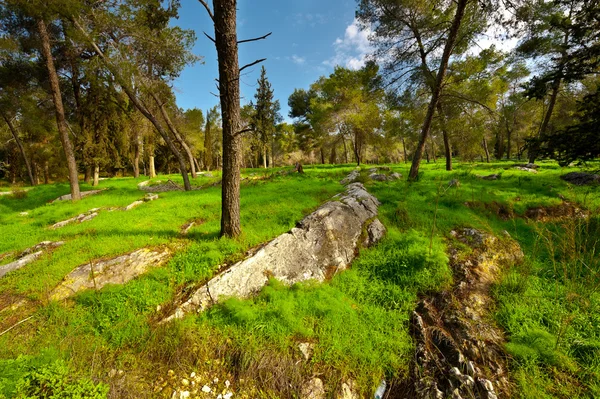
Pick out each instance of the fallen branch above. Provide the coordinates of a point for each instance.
(15, 325)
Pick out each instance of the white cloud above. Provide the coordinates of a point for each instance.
(298, 60)
(353, 49)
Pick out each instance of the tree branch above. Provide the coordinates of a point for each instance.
(208, 10)
(256, 38)
(210, 38)
(252, 64)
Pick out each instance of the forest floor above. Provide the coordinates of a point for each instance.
(352, 330)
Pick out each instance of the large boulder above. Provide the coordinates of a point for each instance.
(581, 178)
(321, 245)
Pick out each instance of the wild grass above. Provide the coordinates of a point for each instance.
(357, 323)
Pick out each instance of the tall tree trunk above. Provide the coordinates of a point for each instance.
(437, 89)
(486, 150)
(433, 150)
(87, 175)
(534, 150)
(229, 88)
(508, 142)
(322, 155)
(142, 108)
(136, 153)
(404, 150)
(427, 155)
(60, 112)
(46, 173)
(152, 166)
(345, 149)
(34, 170)
(175, 132)
(208, 143)
(96, 174)
(15, 135)
(447, 150)
(264, 155)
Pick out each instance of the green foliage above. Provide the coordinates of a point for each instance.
(44, 378)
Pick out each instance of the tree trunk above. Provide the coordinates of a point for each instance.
(322, 156)
(207, 144)
(87, 174)
(229, 88)
(96, 175)
(345, 150)
(486, 150)
(142, 108)
(404, 150)
(13, 131)
(46, 173)
(433, 150)
(264, 155)
(175, 132)
(60, 112)
(152, 167)
(534, 150)
(136, 155)
(427, 155)
(508, 142)
(435, 95)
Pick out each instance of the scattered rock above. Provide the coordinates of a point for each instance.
(83, 195)
(526, 165)
(349, 391)
(170, 185)
(150, 197)
(134, 204)
(313, 389)
(119, 270)
(24, 214)
(29, 255)
(208, 174)
(378, 177)
(84, 217)
(454, 331)
(351, 178)
(454, 183)
(186, 227)
(525, 169)
(395, 176)
(375, 232)
(581, 178)
(494, 176)
(322, 244)
(307, 349)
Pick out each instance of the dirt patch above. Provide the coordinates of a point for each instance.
(564, 210)
(503, 211)
(459, 348)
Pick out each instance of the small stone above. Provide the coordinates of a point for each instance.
(112, 373)
(185, 382)
(193, 372)
(307, 349)
(470, 368)
(120, 372)
(184, 394)
(170, 373)
(227, 383)
(206, 389)
(228, 395)
(314, 389)
(395, 176)
(216, 380)
(150, 197)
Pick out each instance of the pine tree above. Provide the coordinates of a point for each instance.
(266, 114)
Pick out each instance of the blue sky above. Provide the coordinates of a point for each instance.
(309, 38)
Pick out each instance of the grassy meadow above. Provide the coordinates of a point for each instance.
(108, 343)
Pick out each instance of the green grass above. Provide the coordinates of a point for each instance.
(357, 322)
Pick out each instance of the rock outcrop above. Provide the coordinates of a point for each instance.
(459, 349)
(83, 195)
(321, 245)
(28, 256)
(170, 185)
(84, 217)
(119, 270)
(581, 178)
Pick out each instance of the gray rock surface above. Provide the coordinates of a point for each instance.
(170, 185)
(454, 183)
(119, 270)
(351, 178)
(378, 177)
(313, 389)
(84, 217)
(494, 176)
(581, 178)
(525, 169)
(321, 245)
(83, 195)
(29, 255)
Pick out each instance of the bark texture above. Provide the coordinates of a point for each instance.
(60, 111)
(229, 88)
